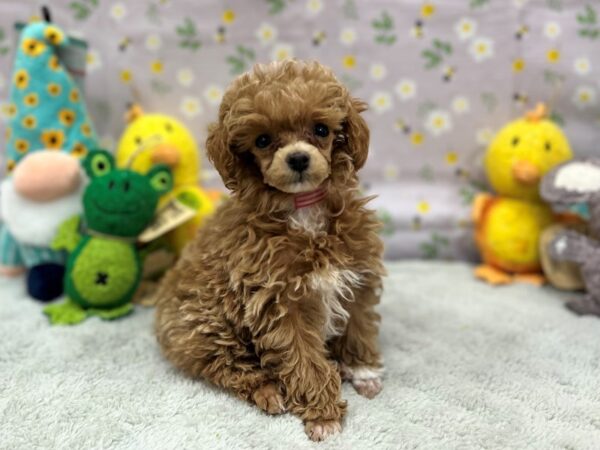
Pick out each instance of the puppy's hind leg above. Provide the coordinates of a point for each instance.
(357, 349)
(206, 347)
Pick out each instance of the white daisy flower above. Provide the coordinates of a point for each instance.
(190, 107)
(481, 49)
(314, 6)
(92, 60)
(118, 11)
(582, 65)
(185, 77)
(266, 33)
(153, 42)
(213, 94)
(584, 97)
(461, 105)
(348, 36)
(281, 52)
(484, 136)
(438, 122)
(552, 30)
(377, 71)
(465, 28)
(406, 89)
(381, 102)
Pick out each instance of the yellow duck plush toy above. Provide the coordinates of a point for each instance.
(508, 225)
(159, 139)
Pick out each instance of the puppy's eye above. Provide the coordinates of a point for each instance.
(515, 141)
(263, 141)
(321, 130)
(548, 146)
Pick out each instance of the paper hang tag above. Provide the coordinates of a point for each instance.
(167, 218)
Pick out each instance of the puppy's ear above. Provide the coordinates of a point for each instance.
(219, 153)
(356, 133)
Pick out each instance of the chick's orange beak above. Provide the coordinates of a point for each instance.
(526, 173)
(165, 154)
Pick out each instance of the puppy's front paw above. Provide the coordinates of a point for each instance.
(269, 399)
(366, 380)
(319, 430)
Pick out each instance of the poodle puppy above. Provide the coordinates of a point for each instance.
(275, 298)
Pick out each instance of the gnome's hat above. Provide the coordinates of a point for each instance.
(46, 109)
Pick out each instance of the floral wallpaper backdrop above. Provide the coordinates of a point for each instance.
(441, 76)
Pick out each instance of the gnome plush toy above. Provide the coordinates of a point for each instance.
(47, 133)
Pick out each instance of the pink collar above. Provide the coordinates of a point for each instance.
(310, 198)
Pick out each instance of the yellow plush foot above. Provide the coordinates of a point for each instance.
(492, 275)
(537, 279)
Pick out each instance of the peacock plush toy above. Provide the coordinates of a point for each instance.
(104, 264)
(508, 224)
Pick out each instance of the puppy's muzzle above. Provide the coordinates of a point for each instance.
(298, 161)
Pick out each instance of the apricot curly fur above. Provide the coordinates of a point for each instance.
(240, 309)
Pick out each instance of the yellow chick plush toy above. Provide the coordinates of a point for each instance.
(153, 139)
(508, 225)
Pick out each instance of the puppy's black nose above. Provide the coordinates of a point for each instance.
(298, 161)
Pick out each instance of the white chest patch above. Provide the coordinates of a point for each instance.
(310, 220)
(336, 287)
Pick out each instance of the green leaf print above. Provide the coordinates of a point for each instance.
(153, 13)
(557, 118)
(384, 29)
(276, 6)
(433, 248)
(478, 3)
(160, 87)
(435, 55)
(241, 60)
(426, 173)
(489, 100)
(188, 35)
(351, 82)
(386, 219)
(467, 195)
(82, 8)
(3, 47)
(556, 5)
(350, 10)
(553, 78)
(588, 21)
(425, 108)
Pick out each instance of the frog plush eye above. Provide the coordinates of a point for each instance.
(98, 163)
(161, 179)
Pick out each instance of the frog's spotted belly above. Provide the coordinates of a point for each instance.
(104, 272)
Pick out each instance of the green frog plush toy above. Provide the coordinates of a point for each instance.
(104, 265)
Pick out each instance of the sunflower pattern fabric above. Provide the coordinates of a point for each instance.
(46, 107)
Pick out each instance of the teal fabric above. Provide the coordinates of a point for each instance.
(15, 254)
(46, 106)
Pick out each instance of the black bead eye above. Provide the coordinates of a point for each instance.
(515, 141)
(321, 130)
(548, 146)
(168, 127)
(263, 141)
(138, 140)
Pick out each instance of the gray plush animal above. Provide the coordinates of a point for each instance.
(575, 182)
